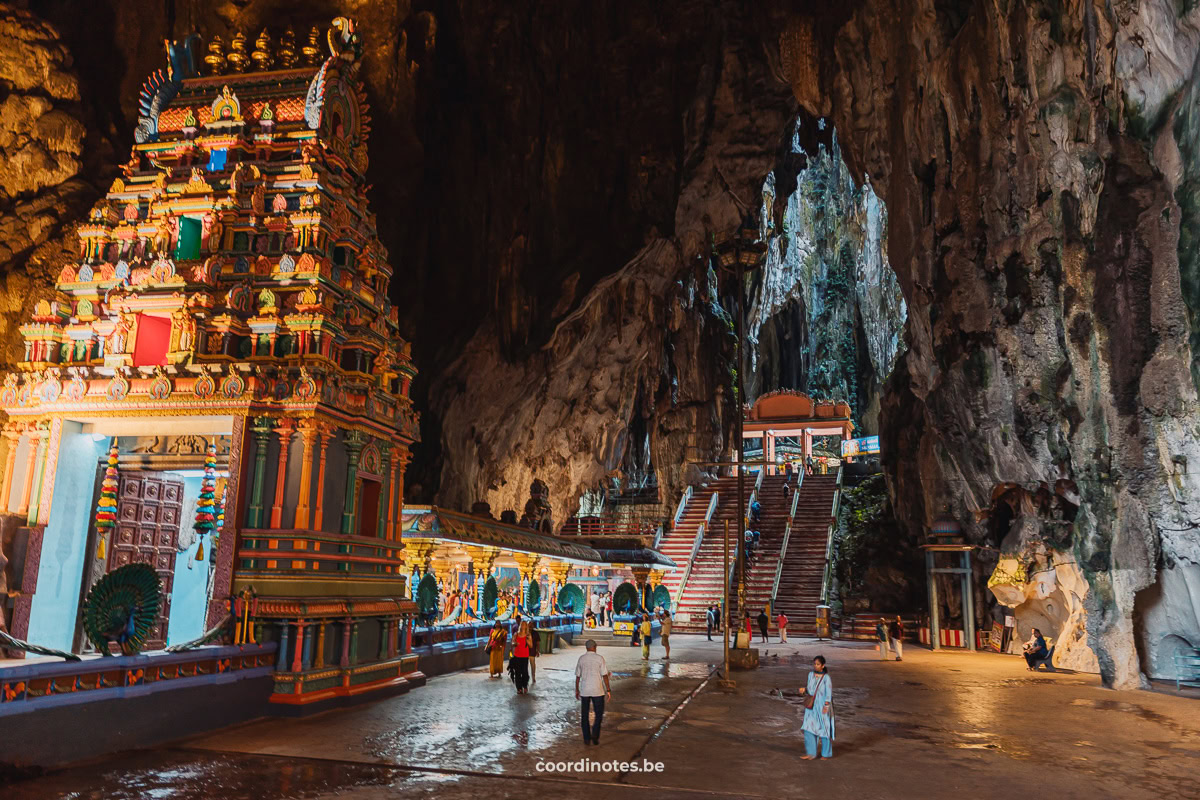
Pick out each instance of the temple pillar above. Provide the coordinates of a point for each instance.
(400, 459)
(37, 468)
(262, 434)
(319, 659)
(298, 656)
(281, 656)
(30, 465)
(382, 529)
(12, 435)
(48, 471)
(527, 566)
(345, 659)
(327, 433)
(308, 435)
(640, 577)
(354, 445)
(483, 558)
(559, 570)
(391, 533)
(284, 431)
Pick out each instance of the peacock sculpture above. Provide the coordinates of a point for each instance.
(122, 607)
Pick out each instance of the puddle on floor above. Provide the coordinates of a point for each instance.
(178, 775)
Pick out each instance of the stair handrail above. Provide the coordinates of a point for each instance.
(753, 495)
(683, 501)
(687, 569)
(787, 535)
(827, 579)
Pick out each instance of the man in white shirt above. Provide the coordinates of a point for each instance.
(592, 687)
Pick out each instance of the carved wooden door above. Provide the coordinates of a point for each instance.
(149, 508)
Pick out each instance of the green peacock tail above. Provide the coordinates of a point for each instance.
(133, 590)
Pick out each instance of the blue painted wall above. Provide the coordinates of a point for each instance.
(189, 595)
(55, 606)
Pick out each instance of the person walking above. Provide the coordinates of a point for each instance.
(896, 637)
(596, 606)
(881, 636)
(497, 642)
(608, 606)
(763, 623)
(645, 628)
(781, 621)
(535, 644)
(665, 635)
(710, 620)
(518, 664)
(592, 688)
(818, 712)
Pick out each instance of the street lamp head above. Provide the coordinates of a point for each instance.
(741, 248)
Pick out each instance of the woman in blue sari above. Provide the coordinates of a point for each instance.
(818, 712)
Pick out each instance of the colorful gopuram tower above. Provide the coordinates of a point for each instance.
(231, 289)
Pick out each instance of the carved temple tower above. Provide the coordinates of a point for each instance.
(230, 289)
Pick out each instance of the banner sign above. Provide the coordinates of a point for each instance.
(867, 445)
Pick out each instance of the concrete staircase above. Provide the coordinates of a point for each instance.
(677, 543)
(706, 580)
(804, 564)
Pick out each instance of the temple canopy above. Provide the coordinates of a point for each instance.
(791, 413)
(439, 534)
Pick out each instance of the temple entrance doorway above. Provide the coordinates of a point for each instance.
(368, 504)
(149, 513)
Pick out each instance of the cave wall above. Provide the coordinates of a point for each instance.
(825, 312)
(1031, 160)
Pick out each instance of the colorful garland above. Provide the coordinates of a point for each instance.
(106, 506)
(206, 512)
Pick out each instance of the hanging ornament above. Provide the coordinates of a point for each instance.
(206, 512)
(106, 506)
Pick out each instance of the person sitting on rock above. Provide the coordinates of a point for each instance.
(1035, 650)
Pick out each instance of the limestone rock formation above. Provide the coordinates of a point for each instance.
(826, 312)
(1031, 157)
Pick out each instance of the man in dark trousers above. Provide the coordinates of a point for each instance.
(710, 620)
(592, 688)
(763, 622)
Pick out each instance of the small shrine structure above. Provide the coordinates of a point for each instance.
(794, 414)
(230, 289)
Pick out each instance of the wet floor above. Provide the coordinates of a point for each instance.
(936, 725)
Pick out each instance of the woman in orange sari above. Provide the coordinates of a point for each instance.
(495, 646)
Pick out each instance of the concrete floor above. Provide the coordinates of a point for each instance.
(936, 725)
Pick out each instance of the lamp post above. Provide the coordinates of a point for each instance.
(735, 254)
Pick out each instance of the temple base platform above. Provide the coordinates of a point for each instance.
(55, 712)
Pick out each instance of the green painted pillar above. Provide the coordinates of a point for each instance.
(262, 434)
(354, 444)
(385, 489)
(353, 643)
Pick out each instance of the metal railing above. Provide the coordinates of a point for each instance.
(827, 579)
(787, 534)
(683, 501)
(687, 570)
